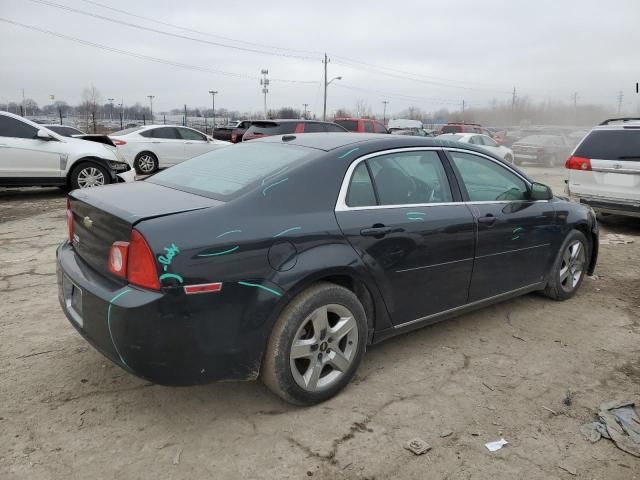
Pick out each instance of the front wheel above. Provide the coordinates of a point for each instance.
(88, 175)
(570, 267)
(316, 345)
(552, 161)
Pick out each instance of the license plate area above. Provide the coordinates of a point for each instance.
(72, 295)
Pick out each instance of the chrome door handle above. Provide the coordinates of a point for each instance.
(487, 219)
(375, 231)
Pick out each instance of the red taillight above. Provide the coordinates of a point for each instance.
(117, 142)
(141, 264)
(118, 259)
(578, 163)
(69, 220)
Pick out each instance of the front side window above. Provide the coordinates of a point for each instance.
(488, 141)
(188, 134)
(487, 181)
(410, 177)
(368, 127)
(379, 128)
(351, 125)
(10, 127)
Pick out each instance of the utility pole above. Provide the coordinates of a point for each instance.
(620, 97)
(513, 105)
(305, 105)
(213, 109)
(326, 84)
(384, 112)
(151, 97)
(24, 106)
(111, 113)
(264, 81)
(462, 111)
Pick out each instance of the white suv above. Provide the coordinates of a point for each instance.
(604, 169)
(33, 155)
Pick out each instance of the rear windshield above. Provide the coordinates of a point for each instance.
(126, 131)
(611, 145)
(451, 129)
(224, 172)
(450, 136)
(351, 125)
(272, 128)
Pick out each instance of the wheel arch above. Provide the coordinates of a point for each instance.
(89, 159)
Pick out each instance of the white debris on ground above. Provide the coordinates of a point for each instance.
(615, 239)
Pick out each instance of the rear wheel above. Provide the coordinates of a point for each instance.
(552, 161)
(570, 267)
(508, 158)
(88, 175)
(146, 163)
(316, 345)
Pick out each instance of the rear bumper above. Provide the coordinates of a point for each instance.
(166, 337)
(609, 205)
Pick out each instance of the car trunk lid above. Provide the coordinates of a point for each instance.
(105, 215)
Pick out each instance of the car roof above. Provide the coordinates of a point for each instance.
(288, 120)
(374, 141)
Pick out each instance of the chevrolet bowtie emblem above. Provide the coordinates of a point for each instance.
(87, 222)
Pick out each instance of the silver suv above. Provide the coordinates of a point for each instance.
(604, 168)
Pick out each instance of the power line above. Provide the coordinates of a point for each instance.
(148, 57)
(192, 30)
(169, 34)
(400, 95)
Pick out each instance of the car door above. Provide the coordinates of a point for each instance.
(195, 143)
(167, 144)
(402, 215)
(23, 155)
(514, 233)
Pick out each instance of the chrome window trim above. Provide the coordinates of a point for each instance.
(341, 203)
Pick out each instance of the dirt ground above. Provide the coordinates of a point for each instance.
(530, 370)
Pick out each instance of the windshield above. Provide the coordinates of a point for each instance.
(224, 172)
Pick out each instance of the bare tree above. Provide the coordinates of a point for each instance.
(91, 98)
(362, 109)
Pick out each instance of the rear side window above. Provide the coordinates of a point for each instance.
(310, 127)
(611, 145)
(169, 133)
(224, 172)
(10, 127)
(272, 128)
(351, 125)
(361, 192)
(411, 177)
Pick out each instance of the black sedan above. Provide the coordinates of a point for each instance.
(549, 150)
(285, 257)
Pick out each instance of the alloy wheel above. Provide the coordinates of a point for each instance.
(90, 177)
(572, 267)
(324, 347)
(146, 163)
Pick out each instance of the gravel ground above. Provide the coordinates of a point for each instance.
(530, 370)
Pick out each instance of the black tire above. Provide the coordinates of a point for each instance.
(517, 162)
(277, 368)
(145, 163)
(551, 161)
(557, 288)
(79, 173)
(508, 158)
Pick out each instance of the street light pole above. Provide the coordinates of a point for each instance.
(264, 81)
(213, 108)
(305, 105)
(111, 112)
(326, 84)
(384, 114)
(151, 97)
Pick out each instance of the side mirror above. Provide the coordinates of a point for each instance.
(42, 135)
(540, 191)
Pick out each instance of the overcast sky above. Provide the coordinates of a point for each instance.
(429, 54)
